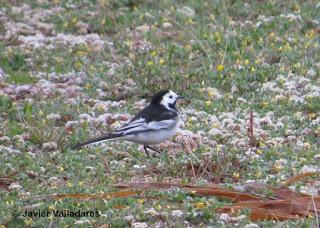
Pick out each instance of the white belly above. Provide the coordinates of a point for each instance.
(152, 137)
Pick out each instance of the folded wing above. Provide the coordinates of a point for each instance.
(140, 125)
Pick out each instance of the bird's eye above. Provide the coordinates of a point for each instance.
(170, 96)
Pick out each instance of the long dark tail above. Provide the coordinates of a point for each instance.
(102, 138)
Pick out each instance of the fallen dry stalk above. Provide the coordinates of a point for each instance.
(283, 205)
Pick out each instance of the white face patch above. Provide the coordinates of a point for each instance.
(169, 98)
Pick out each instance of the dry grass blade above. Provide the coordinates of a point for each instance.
(312, 201)
(286, 204)
(157, 185)
(259, 214)
(281, 192)
(299, 177)
(275, 209)
(286, 193)
(222, 193)
(214, 190)
(301, 206)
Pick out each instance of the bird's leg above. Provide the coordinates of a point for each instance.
(153, 149)
(145, 147)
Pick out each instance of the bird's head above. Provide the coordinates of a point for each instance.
(167, 98)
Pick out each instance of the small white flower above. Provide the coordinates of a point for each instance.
(53, 116)
(53, 180)
(251, 225)
(177, 213)
(49, 146)
(84, 221)
(311, 72)
(129, 218)
(186, 11)
(310, 190)
(3, 76)
(224, 217)
(139, 167)
(5, 140)
(139, 225)
(151, 212)
(215, 131)
(234, 89)
(312, 169)
(143, 28)
(89, 168)
(15, 185)
(167, 25)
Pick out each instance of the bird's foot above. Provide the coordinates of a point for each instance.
(146, 147)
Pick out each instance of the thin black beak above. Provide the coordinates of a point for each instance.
(181, 97)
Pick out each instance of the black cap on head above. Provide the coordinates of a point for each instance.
(156, 99)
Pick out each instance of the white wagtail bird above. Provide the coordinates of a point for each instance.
(154, 124)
